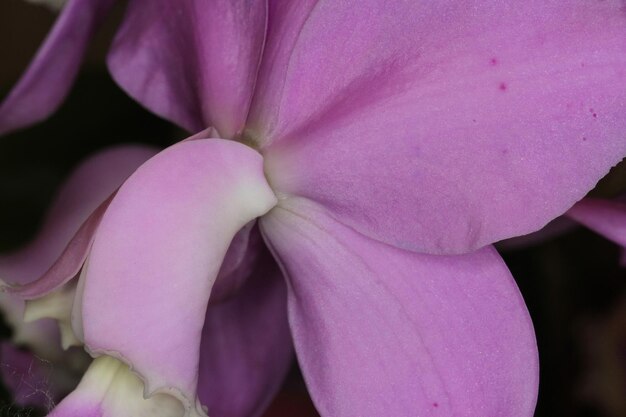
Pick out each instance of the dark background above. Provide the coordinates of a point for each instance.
(573, 285)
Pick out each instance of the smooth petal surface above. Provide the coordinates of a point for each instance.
(605, 217)
(156, 255)
(239, 262)
(58, 251)
(192, 61)
(470, 121)
(50, 75)
(284, 23)
(385, 332)
(246, 346)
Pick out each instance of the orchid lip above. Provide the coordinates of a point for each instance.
(192, 199)
(191, 409)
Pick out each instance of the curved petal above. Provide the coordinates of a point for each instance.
(246, 346)
(50, 75)
(110, 389)
(381, 331)
(470, 121)
(238, 264)
(156, 255)
(67, 265)
(192, 61)
(605, 217)
(58, 251)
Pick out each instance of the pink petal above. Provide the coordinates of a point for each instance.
(384, 332)
(46, 82)
(58, 251)
(607, 218)
(68, 264)
(156, 255)
(284, 23)
(246, 346)
(238, 264)
(193, 62)
(470, 121)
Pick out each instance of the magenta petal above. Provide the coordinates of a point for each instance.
(51, 73)
(384, 332)
(246, 346)
(285, 20)
(192, 61)
(59, 250)
(607, 218)
(470, 121)
(156, 255)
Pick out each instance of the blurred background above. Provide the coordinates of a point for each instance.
(573, 284)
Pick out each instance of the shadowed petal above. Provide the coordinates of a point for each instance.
(384, 332)
(51, 73)
(238, 264)
(191, 61)
(552, 230)
(607, 218)
(58, 251)
(56, 305)
(449, 114)
(246, 346)
(38, 382)
(156, 255)
(27, 377)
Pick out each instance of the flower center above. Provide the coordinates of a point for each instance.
(248, 138)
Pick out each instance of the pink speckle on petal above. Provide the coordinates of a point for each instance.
(503, 86)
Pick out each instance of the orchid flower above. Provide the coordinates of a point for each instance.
(379, 147)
